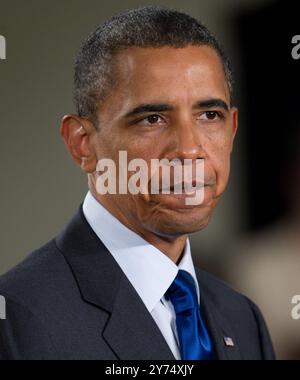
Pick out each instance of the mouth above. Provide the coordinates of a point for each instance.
(183, 187)
(196, 199)
(185, 195)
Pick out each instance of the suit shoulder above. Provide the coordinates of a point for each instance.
(42, 271)
(217, 283)
(220, 291)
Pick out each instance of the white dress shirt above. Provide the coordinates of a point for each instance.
(149, 270)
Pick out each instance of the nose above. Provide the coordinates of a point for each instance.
(185, 142)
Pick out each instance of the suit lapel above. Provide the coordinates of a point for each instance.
(130, 332)
(218, 326)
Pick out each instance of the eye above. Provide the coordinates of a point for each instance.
(210, 115)
(151, 120)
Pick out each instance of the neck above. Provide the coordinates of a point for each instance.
(172, 247)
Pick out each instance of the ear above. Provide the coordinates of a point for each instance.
(77, 134)
(234, 124)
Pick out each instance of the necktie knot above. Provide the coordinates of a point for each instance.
(182, 293)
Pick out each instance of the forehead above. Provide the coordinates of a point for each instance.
(169, 65)
(167, 74)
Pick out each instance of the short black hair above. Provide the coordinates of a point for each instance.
(149, 26)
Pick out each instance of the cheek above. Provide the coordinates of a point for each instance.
(110, 142)
(222, 172)
(219, 160)
(145, 147)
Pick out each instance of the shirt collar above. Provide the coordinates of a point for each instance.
(149, 270)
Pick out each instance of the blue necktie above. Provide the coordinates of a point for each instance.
(194, 340)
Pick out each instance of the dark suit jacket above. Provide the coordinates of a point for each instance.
(70, 300)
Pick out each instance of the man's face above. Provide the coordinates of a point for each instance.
(171, 103)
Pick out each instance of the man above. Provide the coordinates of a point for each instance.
(119, 281)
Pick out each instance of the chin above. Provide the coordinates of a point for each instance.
(170, 222)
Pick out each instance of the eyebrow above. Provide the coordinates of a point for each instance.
(162, 107)
(212, 103)
(151, 107)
